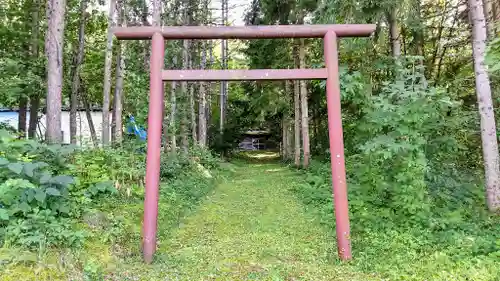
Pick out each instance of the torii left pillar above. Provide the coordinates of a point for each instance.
(154, 147)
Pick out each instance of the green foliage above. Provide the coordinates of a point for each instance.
(408, 196)
(34, 198)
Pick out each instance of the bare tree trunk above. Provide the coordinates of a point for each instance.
(107, 74)
(296, 102)
(202, 119)
(77, 61)
(145, 22)
(184, 90)
(192, 102)
(35, 97)
(173, 104)
(296, 99)
(223, 84)
(485, 106)
(305, 109)
(22, 114)
(489, 17)
(34, 107)
(88, 113)
(394, 33)
(156, 12)
(288, 127)
(54, 48)
(116, 126)
(284, 127)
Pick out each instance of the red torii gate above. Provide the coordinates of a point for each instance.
(329, 33)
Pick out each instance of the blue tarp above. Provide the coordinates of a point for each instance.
(132, 128)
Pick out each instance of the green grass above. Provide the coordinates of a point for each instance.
(253, 228)
(254, 225)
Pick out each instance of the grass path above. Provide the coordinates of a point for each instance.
(253, 228)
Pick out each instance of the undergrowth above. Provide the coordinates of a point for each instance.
(417, 207)
(78, 212)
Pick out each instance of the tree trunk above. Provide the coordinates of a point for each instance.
(88, 113)
(192, 102)
(289, 139)
(107, 74)
(305, 109)
(145, 22)
(394, 33)
(117, 127)
(173, 105)
(485, 106)
(34, 97)
(77, 61)
(22, 114)
(184, 92)
(202, 119)
(223, 84)
(489, 18)
(54, 48)
(296, 100)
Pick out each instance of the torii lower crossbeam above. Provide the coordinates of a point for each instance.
(329, 33)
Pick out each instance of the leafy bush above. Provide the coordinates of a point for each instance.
(34, 198)
(407, 196)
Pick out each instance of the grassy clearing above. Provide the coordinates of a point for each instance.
(253, 228)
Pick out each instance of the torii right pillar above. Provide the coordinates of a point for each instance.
(337, 146)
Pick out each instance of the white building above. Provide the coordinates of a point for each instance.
(10, 117)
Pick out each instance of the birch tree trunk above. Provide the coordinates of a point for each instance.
(305, 109)
(117, 127)
(296, 102)
(77, 61)
(54, 44)
(107, 74)
(485, 106)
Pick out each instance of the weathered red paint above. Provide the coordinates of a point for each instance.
(337, 147)
(244, 74)
(330, 73)
(244, 32)
(154, 148)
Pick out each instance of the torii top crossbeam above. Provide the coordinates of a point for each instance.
(244, 32)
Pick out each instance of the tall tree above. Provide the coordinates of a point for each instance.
(106, 99)
(485, 105)
(184, 90)
(54, 49)
(173, 112)
(296, 102)
(304, 107)
(77, 61)
(117, 127)
(34, 97)
(202, 103)
(224, 50)
(394, 34)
